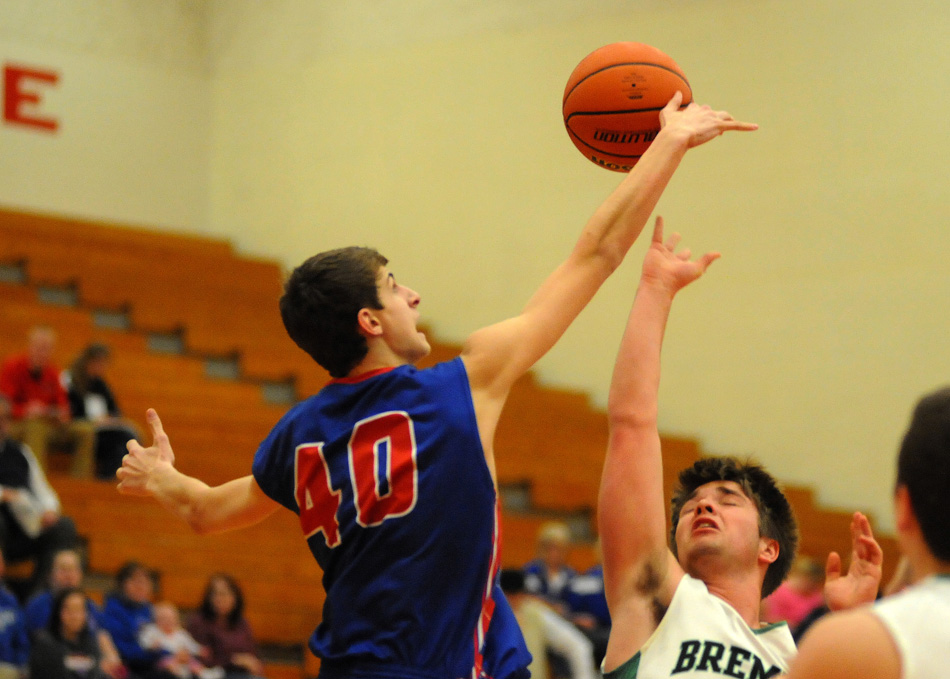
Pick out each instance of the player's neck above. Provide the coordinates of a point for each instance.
(926, 565)
(379, 357)
(742, 592)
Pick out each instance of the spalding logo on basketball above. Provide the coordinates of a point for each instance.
(613, 99)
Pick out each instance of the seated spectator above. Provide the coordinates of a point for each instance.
(801, 593)
(91, 399)
(546, 631)
(127, 610)
(587, 605)
(40, 406)
(67, 573)
(31, 526)
(182, 654)
(14, 643)
(67, 649)
(549, 575)
(219, 625)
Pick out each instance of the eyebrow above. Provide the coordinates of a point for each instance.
(721, 490)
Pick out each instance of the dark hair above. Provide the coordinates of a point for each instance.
(207, 608)
(923, 467)
(129, 569)
(79, 371)
(55, 624)
(511, 581)
(321, 301)
(776, 519)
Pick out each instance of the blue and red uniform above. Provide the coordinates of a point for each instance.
(387, 474)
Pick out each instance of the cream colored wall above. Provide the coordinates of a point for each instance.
(133, 104)
(294, 126)
(808, 342)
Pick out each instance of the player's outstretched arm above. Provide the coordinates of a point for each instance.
(845, 646)
(638, 566)
(863, 580)
(151, 472)
(498, 355)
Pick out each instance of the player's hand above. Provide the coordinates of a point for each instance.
(699, 123)
(860, 585)
(672, 270)
(140, 463)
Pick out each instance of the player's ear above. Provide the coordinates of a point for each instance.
(768, 550)
(369, 323)
(904, 510)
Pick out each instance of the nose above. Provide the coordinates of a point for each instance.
(704, 506)
(413, 297)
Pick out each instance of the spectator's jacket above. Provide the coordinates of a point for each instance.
(22, 385)
(14, 643)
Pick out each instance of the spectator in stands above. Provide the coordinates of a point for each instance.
(14, 643)
(67, 573)
(587, 608)
(801, 593)
(67, 648)
(182, 655)
(546, 631)
(91, 400)
(127, 610)
(40, 406)
(549, 575)
(31, 525)
(219, 624)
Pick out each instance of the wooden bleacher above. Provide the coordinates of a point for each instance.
(222, 304)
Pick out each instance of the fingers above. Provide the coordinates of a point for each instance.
(155, 423)
(658, 230)
(675, 102)
(671, 107)
(672, 241)
(729, 124)
(708, 259)
(833, 567)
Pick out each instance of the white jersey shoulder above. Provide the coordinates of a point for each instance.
(701, 635)
(918, 620)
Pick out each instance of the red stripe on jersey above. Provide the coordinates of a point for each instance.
(488, 603)
(353, 379)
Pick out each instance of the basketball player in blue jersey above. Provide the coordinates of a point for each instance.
(391, 469)
(690, 607)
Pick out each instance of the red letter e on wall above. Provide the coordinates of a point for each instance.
(20, 98)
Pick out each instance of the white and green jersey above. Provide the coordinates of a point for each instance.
(918, 620)
(701, 635)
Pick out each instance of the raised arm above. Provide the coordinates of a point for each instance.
(151, 472)
(639, 569)
(498, 355)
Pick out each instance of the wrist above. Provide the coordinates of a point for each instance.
(674, 137)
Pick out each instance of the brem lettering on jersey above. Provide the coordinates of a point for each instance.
(716, 658)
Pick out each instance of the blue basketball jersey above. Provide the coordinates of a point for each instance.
(387, 474)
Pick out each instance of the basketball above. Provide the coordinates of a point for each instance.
(613, 99)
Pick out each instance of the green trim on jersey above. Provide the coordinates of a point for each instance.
(766, 628)
(626, 671)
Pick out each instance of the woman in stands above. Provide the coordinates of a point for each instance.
(91, 398)
(219, 625)
(67, 648)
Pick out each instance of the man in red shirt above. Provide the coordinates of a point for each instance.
(40, 407)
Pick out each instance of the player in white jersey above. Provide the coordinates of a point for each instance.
(907, 635)
(691, 608)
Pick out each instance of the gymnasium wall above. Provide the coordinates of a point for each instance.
(126, 85)
(294, 126)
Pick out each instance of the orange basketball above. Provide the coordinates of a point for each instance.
(613, 99)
